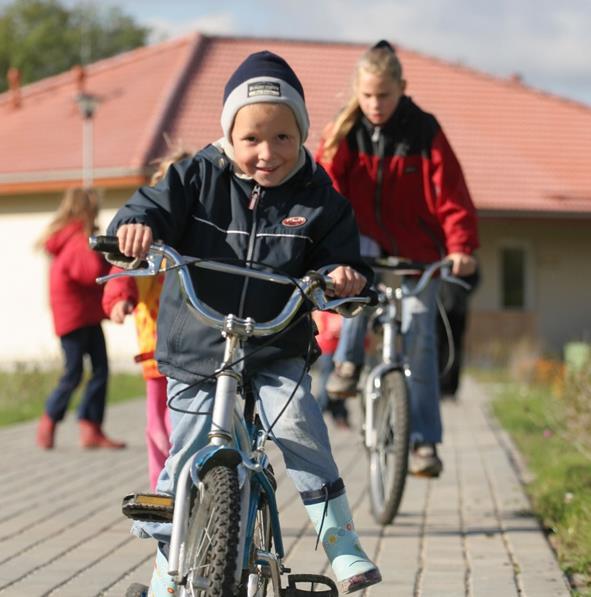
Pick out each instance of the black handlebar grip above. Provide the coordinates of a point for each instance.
(104, 244)
(109, 245)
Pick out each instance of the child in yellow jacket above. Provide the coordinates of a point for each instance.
(141, 296)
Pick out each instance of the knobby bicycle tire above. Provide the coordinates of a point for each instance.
(262, 539)
(388, 461)
(213, 534)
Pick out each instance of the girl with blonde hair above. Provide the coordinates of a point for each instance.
(75, 301)
(394, 163)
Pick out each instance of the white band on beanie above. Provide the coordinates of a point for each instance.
(269, 90)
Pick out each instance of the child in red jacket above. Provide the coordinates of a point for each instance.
(75, 300)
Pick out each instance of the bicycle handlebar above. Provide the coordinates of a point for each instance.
(426, 270)
(312, 287)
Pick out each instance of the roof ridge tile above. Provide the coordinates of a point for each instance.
(65, 78)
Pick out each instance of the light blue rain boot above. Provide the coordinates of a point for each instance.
(330, 514)
(162, 584)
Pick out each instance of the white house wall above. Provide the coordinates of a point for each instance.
(26, 330)
(558, 284)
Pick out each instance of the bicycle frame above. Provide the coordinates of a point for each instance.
(230, 441)
(391, 302)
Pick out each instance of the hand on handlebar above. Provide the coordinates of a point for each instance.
(347, 281)
(462, 264)
(135, 239)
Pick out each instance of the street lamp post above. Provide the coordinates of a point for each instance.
(87, 104)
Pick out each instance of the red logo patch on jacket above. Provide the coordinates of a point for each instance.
(294, 221)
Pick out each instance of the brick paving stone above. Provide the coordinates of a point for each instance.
(470, 533)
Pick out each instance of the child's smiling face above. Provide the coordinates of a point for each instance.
(266, 141)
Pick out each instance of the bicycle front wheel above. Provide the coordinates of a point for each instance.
(213, 535)
(388, 461)
(256, 577)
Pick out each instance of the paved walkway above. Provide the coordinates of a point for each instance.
(470, 533)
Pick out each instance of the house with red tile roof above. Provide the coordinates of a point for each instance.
(524, 154)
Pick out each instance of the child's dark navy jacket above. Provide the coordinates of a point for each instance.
(204, 210)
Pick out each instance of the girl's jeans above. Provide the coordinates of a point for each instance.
(419, 320)
(300, 432)
(91, 341)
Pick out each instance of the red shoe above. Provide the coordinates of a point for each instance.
(92, 436)
(46, 432)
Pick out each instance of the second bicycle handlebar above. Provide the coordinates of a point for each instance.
(425, 271)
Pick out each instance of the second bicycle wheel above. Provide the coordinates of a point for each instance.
(212, 536)
(388, 461)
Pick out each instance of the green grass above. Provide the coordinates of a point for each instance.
(561, 489)
(23, 392)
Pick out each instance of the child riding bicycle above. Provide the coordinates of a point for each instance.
(394, 163)
(253, 197)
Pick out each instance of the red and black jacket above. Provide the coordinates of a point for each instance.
(406, 185)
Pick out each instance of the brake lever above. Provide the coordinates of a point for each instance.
(154, 264)
(448, 277)
(346, 306)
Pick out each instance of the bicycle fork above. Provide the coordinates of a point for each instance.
(218, 451)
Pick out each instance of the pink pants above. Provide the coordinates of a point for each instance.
(157, 427)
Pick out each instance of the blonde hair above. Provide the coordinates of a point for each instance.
(77, 204)
(380, 60)
(165, 162)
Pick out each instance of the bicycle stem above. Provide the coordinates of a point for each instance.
(225, 393)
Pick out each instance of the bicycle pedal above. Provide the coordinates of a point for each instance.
(148, 507)
(317, 586)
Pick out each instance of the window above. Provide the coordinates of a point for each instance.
(513, 272)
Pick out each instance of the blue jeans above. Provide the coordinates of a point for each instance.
(419, 320)
(300, 432)
(91, 341)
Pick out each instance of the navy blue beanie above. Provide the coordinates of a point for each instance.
(264, 77)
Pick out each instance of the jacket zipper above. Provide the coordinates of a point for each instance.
(253, 202)
(378, 142)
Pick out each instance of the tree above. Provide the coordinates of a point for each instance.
(43, 38)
